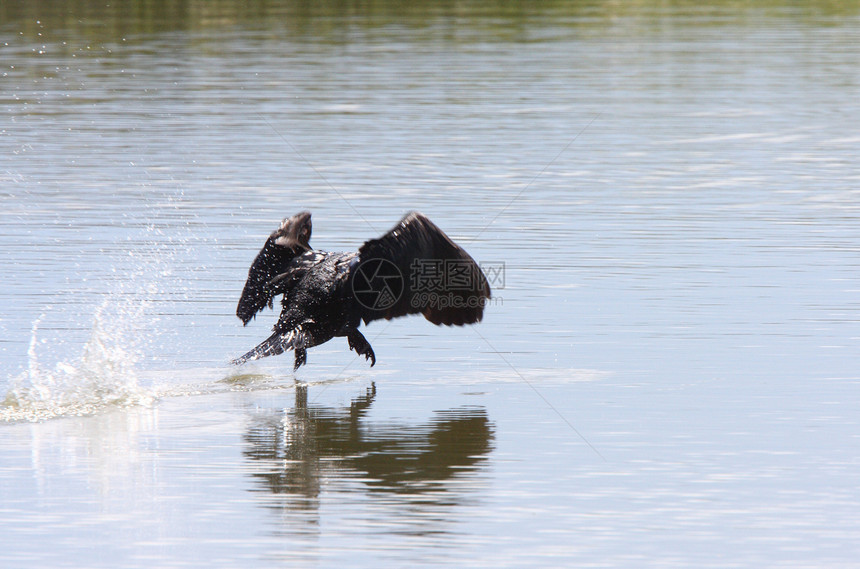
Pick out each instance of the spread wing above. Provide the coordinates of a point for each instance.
(416, 269)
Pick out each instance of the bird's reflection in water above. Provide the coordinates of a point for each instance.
(291, 452)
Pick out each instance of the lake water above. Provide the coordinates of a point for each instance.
(668, 375)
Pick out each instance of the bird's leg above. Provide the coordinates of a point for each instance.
(359, 343)
(300, 340)
(301, 358)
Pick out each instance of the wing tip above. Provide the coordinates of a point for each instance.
(455, 316)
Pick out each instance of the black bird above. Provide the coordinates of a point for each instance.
(414, 268)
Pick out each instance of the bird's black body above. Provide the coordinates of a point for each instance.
(329, 294)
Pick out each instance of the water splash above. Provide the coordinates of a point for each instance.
(103, 376)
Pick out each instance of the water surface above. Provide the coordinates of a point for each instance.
(667, 376)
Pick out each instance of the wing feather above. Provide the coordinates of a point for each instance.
(438, 278)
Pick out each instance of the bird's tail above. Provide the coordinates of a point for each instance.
(276, 344)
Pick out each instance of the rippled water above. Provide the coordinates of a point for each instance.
(668, 375)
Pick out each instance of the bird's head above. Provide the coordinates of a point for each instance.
(294, 233)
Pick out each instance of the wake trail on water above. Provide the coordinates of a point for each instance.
(98, 366)
(105, 375)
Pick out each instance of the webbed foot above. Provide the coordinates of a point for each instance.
(359, 343)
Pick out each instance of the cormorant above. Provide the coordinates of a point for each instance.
(414, 268)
